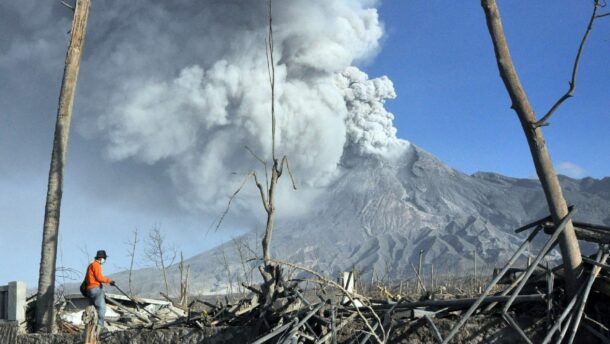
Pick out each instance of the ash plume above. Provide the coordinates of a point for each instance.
(183, 86)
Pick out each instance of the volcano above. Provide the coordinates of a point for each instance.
(382, 210)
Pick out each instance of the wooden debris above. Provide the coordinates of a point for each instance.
(335, 313)
(91, 327)
(143, 318)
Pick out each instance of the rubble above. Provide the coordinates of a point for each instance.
(518, 305)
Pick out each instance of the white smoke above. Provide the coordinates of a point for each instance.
(369, 125)
(196, 114)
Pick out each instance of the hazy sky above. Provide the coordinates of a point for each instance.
(132, 165)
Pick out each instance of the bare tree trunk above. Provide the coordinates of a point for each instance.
(45, 314)
(270, 215)
(568, 243)
(419, 271)
(184, 281)
(164, 272)
(132, 254)
(270, 271)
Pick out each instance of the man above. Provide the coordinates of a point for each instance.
(95, 280)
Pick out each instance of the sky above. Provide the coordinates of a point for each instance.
(133, 165)
(452, 102)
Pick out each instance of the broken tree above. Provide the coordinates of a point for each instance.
(558, 207)
(270, 271)
(45, 315)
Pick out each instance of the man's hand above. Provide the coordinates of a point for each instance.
(112, 283)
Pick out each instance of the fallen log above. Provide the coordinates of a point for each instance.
(459, 303)
(584, 231)
(592, 234)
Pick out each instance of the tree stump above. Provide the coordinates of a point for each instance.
(90, 321)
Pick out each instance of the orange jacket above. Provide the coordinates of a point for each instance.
(94, 276)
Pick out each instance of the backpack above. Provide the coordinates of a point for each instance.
(83, 287)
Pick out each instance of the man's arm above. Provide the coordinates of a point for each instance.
(97, 273)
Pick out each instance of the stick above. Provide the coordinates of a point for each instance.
(418, 279)
(437, 334)
(601, 258)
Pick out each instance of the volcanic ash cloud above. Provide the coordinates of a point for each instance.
(197, 119)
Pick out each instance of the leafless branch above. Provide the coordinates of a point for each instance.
(263, 162)
(271, 70)
(247, 269)
(85, 251)
(227, 268)
(262, 192)
(68, 273)
(157, 251)
(184, 281)
(544, 120)
(285, 162)
(241, 243)
(256, 156)
(67, 5)
(226, 211)
(603, 15)
(131, 251)
(419, 279)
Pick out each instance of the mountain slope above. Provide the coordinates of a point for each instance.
(381, 211)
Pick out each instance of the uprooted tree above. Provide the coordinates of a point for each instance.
(568, 243)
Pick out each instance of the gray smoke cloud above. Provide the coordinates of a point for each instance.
(198, 119)
(182, 87)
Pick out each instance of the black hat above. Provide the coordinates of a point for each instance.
(101, 254)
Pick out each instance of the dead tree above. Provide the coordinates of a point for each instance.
(184, 281)
(568, 242)
(45, 313)
(132, 254)
(158, 252)
(246, 275)
(270, 271)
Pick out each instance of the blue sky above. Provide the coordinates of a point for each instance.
(450, 101)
